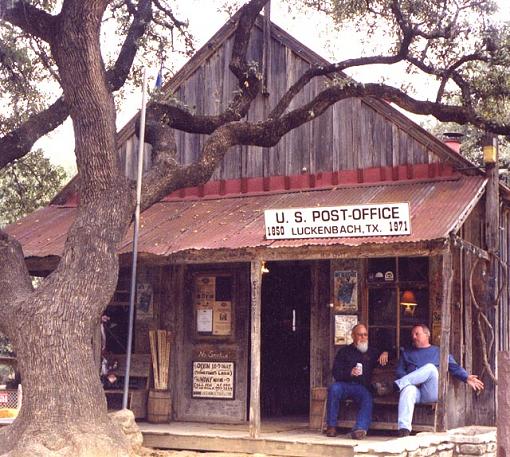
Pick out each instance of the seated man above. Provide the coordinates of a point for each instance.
(417, 376)
(352, 371)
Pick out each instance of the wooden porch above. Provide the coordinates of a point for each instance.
(278, 437)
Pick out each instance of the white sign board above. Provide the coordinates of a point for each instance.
(385, 219)
(213, 380)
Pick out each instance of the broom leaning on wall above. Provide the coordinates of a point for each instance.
(159, 408)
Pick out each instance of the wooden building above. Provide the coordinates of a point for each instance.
(257, 321)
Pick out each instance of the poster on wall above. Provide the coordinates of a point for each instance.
(144, 308)
(205, 292)
(204, 320)
(213, 380)
(222, 318)
(343, 328)
(345, 289)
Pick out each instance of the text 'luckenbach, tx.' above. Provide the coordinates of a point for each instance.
(385, 219)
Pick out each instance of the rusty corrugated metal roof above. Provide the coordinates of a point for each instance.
(437, 207)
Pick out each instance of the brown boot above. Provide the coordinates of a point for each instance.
(358, 434)
(331, 432)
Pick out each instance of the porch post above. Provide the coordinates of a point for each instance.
(256, 283)
(446, 319)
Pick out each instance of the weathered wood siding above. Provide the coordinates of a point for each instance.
(351, 134)
(503, 308)
(465, 343)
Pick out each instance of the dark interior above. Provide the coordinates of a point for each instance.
(285, 352)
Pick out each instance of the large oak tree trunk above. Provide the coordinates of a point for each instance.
(64, 409)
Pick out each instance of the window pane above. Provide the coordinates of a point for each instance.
(413, 269)
(382, 306)
(384, 339)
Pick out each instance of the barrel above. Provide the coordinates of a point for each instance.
(318, 407)
(159, 406)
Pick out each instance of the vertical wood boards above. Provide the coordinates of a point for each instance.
(194, 347)
(503, 419)
(456, 395)
(172, 291)
(319, 325)
(349, 135)
(441, 424)
(256, 294)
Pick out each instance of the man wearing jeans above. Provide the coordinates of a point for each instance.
(352, 371)
(418, 376)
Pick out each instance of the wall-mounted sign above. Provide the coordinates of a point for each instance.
(343, 328)
(213, 380)
(222, 318)
(345, 287)
(386, 219)
(144, 296)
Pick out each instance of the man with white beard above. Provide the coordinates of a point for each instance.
(352, 371)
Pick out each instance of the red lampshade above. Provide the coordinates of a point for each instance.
(408, 298)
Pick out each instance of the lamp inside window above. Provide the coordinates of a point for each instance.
(408, 301)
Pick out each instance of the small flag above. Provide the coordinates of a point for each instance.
(159, 79)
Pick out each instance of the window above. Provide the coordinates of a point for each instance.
(398, 299)
(212, 301)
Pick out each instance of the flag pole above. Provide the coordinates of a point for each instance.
(132, 292)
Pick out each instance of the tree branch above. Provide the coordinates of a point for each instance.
(141, 19)
(30, 19)
(18, 142)
(268, 133)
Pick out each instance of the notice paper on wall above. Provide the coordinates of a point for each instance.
(204, 320)
(343, 328)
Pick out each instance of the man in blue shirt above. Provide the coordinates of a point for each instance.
(417, 376)
(352, 371)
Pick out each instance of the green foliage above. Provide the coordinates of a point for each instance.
(27, 185)
(6, 348)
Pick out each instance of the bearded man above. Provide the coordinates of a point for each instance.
(352, 371)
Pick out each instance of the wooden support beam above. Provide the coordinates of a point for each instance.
(256, 287)
(503, 417)
(446, 318)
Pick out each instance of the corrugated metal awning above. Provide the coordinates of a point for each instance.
(438, 207)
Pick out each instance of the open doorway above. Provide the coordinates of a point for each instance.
(285, 346)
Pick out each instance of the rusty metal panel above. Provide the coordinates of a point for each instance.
(168, 227)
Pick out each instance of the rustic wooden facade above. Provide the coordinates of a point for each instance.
(361, 136)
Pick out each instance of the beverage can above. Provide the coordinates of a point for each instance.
(359, 366)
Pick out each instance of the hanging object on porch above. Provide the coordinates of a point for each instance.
(159, 402)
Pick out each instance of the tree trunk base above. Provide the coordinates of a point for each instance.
(18, 440)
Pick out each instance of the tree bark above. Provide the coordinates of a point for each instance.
(64, 409)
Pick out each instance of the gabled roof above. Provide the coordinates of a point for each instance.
(277, 33)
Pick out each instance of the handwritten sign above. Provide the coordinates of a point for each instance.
(213, 380)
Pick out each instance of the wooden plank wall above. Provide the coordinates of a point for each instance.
(320, 345)
(350, 135)
(465, 342)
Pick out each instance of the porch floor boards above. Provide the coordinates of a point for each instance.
(278, 437)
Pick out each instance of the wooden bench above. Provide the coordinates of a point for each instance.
(385, 410)
(139, 379)
(385, 414)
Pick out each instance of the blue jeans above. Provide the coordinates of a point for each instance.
(339, 391)
(419, 386)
